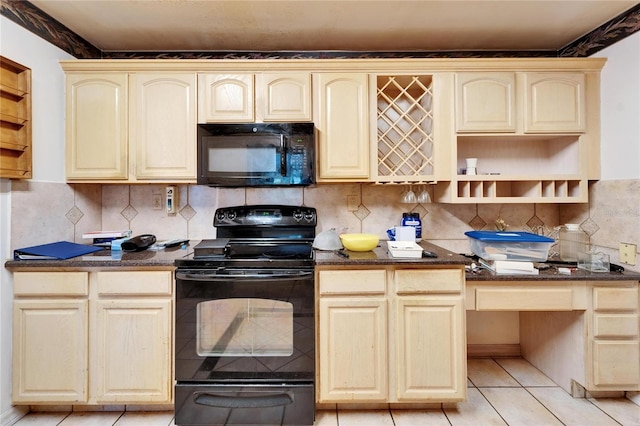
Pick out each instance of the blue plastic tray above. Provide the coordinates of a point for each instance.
(508, 237)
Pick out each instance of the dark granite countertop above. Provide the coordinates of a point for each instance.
(379, 256)
(107, 258)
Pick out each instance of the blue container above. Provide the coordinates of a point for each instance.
(509, 245)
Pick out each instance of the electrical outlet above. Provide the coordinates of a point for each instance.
(628, 253)
(352, 203)
(157, 201)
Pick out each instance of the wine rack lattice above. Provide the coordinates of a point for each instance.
(405, 127)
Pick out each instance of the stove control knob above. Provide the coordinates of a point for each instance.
(297, 215)
(231, 215)
(309, 216)
(220, 216)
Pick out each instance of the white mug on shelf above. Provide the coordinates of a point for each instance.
(472, 163)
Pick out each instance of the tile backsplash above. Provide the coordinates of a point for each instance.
(44, 212)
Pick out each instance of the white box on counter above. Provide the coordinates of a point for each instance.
(406, 249)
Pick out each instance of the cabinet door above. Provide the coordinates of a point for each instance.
(96, 126)
(162, 126)
(554, 103)
(485, 102)
(283, 96)
(430, 348)
(225, 98)
(616, 364)
(131, 351)
(342, 121)
(50, 355)
(353, 349)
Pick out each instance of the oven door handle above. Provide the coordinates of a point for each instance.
(221, 401)
(215, 277)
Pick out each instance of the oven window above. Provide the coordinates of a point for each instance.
(244, 327)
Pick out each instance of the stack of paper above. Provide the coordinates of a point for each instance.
(105, 238)
(509, 267)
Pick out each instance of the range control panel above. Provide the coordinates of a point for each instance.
(268, 215)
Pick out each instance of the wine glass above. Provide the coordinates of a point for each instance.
(409, 197)
(424, 197)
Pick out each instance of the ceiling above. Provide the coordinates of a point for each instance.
(317, 25)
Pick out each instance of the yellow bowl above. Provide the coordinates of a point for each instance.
(359, 242)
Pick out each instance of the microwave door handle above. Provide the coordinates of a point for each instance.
(283, 156)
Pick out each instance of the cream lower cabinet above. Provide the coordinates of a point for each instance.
(131, 127)
(50, 337)
(92, 337)
(614, 350)
(391, 335)
(575, 332)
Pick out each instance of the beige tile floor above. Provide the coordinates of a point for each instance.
(502, 391)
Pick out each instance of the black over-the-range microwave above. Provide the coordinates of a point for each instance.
(256, 154)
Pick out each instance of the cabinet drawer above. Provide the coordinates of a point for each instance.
(128, 282)
(612, 325)
(415, 281)
(524, 299)
(51, 283)
(615, 299)
(352, 281)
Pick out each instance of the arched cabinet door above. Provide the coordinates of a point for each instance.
(96, 126)
(554, 102)
(342, 121)
(226, 98)
(486, 102)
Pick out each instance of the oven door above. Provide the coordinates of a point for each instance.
(237, 326)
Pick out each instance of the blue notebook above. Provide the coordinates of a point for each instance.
(58, 250)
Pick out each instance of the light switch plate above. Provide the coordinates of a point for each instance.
(171, 199)
(628, 253)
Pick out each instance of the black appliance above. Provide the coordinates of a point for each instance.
(256, 154)
(245, 320)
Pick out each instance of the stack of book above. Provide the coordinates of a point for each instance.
(104, 238)
(510, 267)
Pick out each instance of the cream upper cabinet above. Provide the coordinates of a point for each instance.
(254, 97)
(554, 102)
(341, 116)
(162, 127)
(225, 98)
(486, 102)
(283, 97)
(137, 127)
(520, 102)
(377, 344)
(117, 332)
(96, 126)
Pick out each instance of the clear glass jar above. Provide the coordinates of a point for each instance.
(572, 241)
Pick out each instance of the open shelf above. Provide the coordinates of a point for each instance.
(15, 120)
(521, 156)
(405, 127)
